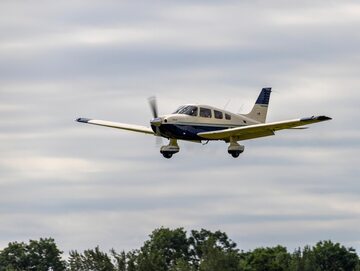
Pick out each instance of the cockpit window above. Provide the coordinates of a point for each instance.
(188, 110)
(227, 116)
(205, 112)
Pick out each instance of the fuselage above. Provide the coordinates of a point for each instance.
(189, 120)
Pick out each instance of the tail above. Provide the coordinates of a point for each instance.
(259, 111)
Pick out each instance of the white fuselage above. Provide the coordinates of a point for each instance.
(186, 123)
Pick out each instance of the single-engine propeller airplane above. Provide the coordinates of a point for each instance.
(198, 123)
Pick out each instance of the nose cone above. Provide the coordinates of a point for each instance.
(156, 122)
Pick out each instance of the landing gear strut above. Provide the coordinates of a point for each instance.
(235, 149)
(168, 150)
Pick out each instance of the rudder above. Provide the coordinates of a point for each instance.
(259, 111)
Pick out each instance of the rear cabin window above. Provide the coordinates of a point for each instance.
(227, 116)
(218, 114)
(205, 112)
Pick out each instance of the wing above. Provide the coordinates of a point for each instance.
(259, 130)
(117, 125)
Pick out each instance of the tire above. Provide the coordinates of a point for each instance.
(167, 155)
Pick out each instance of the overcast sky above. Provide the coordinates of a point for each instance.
(85, 185)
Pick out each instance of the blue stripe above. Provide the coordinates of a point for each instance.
(197, 124)
(187, 132)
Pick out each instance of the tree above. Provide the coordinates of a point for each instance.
(329, 256)
(14, 257)
(182, 265)
(173, 250)
(164, 249)
(303, 260)
(266, 259)
(91, 259)
(44, 255)
(216, 258)
(37, 255)
(131, 258)
(75, 261)
(119, 259)
(201, 241)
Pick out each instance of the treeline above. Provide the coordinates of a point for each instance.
(175, 250)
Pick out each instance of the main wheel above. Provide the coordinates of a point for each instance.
(235, 154)
(167, 155)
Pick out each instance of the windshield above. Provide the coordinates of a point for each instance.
(179, 109)
(188, 110)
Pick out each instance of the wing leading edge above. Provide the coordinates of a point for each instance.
(259, 130)
(117, 125)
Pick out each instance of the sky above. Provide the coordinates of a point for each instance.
(86, 185)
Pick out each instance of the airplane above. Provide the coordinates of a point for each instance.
(204, 123)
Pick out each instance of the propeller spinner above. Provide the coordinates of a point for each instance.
(156, 121)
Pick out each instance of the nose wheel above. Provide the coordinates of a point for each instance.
(169, 150)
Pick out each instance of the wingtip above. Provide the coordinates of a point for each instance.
(324, 118)
(84, 120)
(319, 118)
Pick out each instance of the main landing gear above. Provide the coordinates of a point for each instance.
(168, 150)
(235, 149)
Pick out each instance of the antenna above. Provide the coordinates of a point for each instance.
(227, 103)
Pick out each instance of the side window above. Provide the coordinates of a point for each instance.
(227, 116)
(205, 112)
(218, 114)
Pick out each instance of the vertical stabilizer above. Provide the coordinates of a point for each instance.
(260, 108)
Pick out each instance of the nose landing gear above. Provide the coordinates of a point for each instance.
(168, 150)
(235, 149)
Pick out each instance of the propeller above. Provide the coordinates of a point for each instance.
(156, 121)
(153, 106)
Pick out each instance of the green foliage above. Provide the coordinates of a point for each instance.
(39, 255)
(215, 257)
(164, 249)
(91, 259)
(200, 240)
(131, 260)
(182, 265)
(119, 259)
(173, 250)
(266, 259)
(14, 257)
(331, 257)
